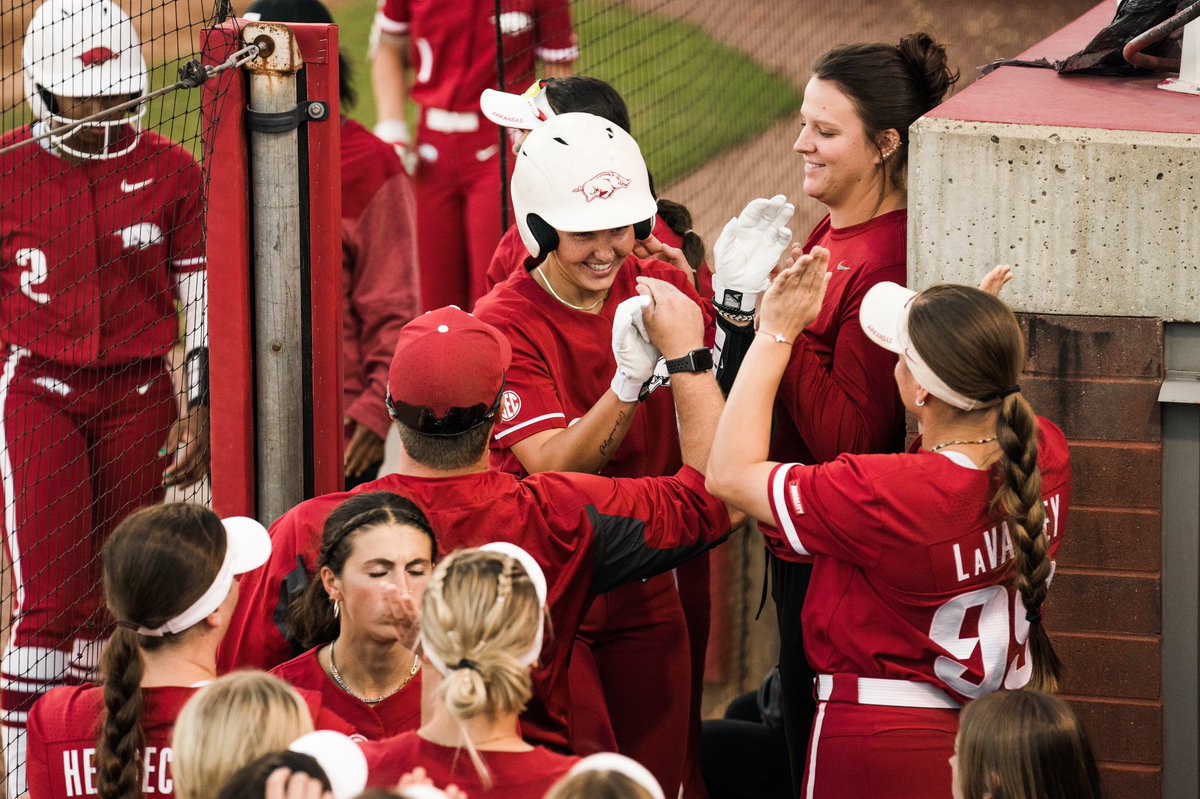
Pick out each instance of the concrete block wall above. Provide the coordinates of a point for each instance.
(1098, 377)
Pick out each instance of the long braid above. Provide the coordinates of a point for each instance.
(1020, 498)
(121, 739)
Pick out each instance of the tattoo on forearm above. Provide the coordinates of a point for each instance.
(610, 443)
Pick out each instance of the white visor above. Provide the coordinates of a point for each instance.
(521, 111)
(339, 757)
(611, 761)
(537, 577)
(247, 546)
(884, 318)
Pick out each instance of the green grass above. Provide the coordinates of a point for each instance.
(690, 98)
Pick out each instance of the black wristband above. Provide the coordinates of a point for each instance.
(195, 377)
(700, 360)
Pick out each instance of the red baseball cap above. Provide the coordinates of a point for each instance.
(447, 372)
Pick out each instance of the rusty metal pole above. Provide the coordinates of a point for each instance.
(275, 197)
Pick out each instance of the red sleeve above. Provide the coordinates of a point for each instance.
(823, 510)
(383, 289)
(556, 41)
(509, 256)
(187, 222)
(254, 640)
(37, 773)
(393, 16)
(851, 407)
(531, 402)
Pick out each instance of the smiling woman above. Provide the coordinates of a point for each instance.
(359, 613)
(837, 395)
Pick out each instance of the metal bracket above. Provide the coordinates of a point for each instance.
(285, 121)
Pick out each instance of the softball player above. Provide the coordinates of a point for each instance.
(457, 165)
(589, 533)
(580, 208)
(931, 567)
(170, 574)
(358, 614)
(482, 629)
(100, 233)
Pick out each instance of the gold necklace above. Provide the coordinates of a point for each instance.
(553, 293)
(337, 678)
(952, 443)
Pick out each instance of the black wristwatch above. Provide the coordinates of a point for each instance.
(695, 361)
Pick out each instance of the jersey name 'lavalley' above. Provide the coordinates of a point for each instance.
(997, 547)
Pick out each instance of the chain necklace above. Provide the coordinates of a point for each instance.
(337, 678)
(553, 293)
(952, 443)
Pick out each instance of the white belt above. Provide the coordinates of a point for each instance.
(894, 693)
(444, 121)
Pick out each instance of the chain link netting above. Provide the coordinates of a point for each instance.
(102, 252)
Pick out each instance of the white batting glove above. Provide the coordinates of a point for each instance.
(636, 356)
(395, 133)
(748, 249)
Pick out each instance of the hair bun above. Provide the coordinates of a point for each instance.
(928, 61)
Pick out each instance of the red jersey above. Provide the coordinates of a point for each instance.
(379, 270)
(453, 45)
(87, 251)
(61, 748)
(399, 713)
(838, 394)
(515, 775)
(562, 364)
(589, 533)
(912, 571)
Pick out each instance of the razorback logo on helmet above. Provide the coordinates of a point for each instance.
(97, 55)
(141, 236)
(602, 186)
(510, 406)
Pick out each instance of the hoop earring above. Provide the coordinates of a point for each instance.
(337, 608)
(916, 402)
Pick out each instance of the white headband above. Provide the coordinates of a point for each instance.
(247, 546)
(611, 761)
(883, 315)
(537, 577)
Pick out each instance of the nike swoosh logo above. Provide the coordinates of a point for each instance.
(127, 187)
(843, 268)
(50, 384)
(144, 387)
(487, 152)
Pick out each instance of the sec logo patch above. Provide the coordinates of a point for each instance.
(510, 406)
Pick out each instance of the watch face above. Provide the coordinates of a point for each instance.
(695, 361)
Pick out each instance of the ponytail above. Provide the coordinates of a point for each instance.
(120, 739)
(1020, 499)
(679, 220)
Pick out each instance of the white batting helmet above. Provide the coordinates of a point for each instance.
(577, 173)
(83, 49)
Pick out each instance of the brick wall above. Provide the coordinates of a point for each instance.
(1098, 378)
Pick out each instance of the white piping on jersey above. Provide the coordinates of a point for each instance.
(534, 420)
(561, 54)
(10, 503)
(812, 756)
(425, 52)
(960, 459)
(390, 25)
(781, 509)
(189, 261)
